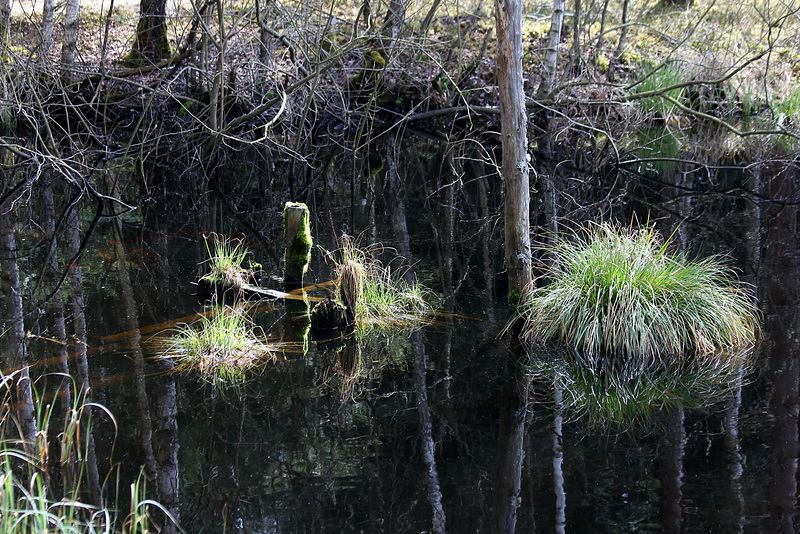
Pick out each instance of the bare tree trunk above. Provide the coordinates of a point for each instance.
(48, 21)
(151, 42)
(439, 519)
(393, 23)
(600, 34)
(426, 22)
(56, 304)
(672, 447)
(508, 480)
(623, 39)
(5, 19)
(79, 328)
(514, 129)
(70, 41)
(558, 461)
(14, 327)
(548, 78)
(575, 51)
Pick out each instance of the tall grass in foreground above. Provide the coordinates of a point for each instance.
(222, 346)
(35, 498)
(617, 293)
(381, 299)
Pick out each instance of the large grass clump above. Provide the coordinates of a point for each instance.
(622, 294)
(377, 296)
(221, 346)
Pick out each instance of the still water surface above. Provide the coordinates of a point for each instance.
(410, 441)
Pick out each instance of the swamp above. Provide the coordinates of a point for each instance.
(433, 368)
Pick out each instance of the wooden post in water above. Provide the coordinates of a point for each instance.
(297, 237)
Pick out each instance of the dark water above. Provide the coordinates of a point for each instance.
(426, 437)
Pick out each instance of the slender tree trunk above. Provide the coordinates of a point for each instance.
(426, 22)
(56, 303)
(672, 447)
(48, 21)
(486, 252)
(79, 328)
(15, 327)
(550, 64)
(733, 452)
(5, 19)
(508, 480)
(393, 24)
(426, 434)
(70, 41)
(514, 130)
(600, 39)
(623, 40)
(558, 462)
(575, 50)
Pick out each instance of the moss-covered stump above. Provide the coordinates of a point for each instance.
(329, 315)
(297, 237)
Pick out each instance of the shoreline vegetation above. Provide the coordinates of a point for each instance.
(254, 76)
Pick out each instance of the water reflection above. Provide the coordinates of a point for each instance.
(439, 430)
(511, 452)
(780, 295)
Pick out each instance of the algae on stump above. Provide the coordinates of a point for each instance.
(297, 236)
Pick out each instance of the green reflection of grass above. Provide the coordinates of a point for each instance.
(614, 394)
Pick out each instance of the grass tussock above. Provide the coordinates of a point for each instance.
(227, 262)
(222, 347)
(379, 297)
(621, 293)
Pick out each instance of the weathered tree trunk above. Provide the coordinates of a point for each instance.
(425, 26)
(575, 52)
(548, 78)
(393, 23)
(514, 130)
(14, 327)
(151, 42)
(56, 304)
(672, 451)
(427, 444)
(48, 21)
(70, 42)
(5, 19)
(558, 462)
(623, 40)
(79, 329)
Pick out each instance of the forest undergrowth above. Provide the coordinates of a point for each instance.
(297, 76)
